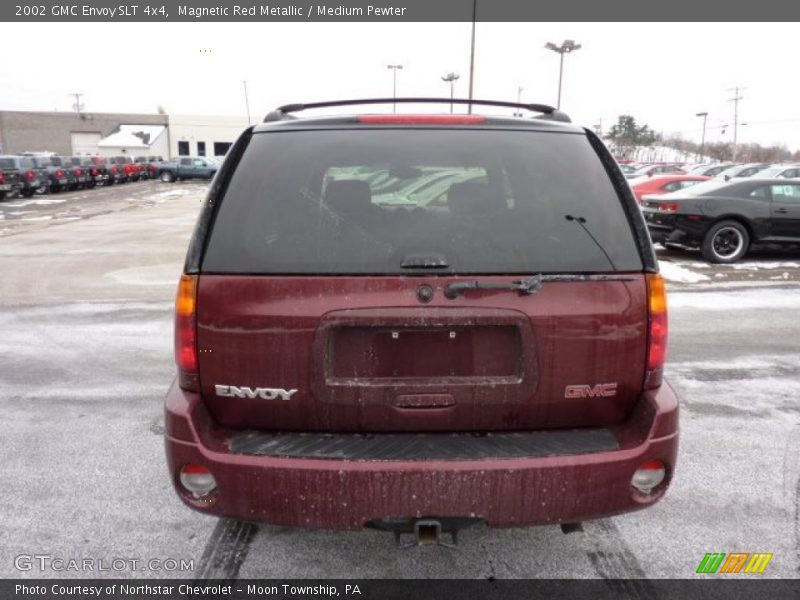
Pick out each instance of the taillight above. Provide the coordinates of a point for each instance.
(656, 330)
(421, 119)
(2, 177)
(185, 338)
(93, 172)
(78, 173)
(30, 175)
(114, 170)
(151, 168)
(59, 174)
(667, 207)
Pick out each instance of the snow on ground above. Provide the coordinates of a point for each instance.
(150, 275)
(738, 299)
(673, 272)
(174, 193)
(763, 386)
(36, 202)
(755, 266)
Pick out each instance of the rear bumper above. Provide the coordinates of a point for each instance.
(345, 494)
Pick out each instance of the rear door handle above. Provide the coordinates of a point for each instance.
(782, 211)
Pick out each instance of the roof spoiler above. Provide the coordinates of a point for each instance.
(545, 111)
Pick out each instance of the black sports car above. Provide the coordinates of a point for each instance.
(724, 219)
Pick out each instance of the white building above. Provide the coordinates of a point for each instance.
(135, 140)
(203, 135)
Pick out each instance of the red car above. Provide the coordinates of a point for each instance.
(663, 184)
(350, 355)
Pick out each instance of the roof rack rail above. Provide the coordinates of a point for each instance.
(547, 112)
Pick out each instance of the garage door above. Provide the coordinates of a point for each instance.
(85, 143)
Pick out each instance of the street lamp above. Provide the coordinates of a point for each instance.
(565, 48)
(703, 139)
(451, 78)
(394, 69)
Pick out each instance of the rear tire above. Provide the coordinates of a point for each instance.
(27, 193)
(725, 242)
(167, 177)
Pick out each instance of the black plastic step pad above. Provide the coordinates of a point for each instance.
(423, 446)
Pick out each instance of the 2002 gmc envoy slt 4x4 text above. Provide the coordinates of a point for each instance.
(418, 322)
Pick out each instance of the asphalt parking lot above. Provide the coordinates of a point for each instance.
(86, 355)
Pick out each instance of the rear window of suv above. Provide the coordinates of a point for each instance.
(376, 201)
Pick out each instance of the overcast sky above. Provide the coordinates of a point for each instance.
(661, 73)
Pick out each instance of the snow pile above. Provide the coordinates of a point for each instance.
(673, 272)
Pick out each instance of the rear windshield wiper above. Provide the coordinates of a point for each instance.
(527, 286)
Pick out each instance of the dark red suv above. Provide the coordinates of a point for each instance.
(417, 322)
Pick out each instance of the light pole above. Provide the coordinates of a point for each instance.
(451, 78)
(565, 48)
(703, 139)
(472, 53)
(247, 103)
(394, 69)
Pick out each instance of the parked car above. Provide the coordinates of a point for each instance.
(781, 171)
(115, 174)
(121, 168)
(344, 362)
(132, 170)
(52, 173)
(188, 167)
(709, 170)
(96, 172)
(10, 183)
(662, 184)
(64, 176)
(724, 219)
(746, 170)
(650, 170)
(146, 168)
(31, 177)
(79, 177)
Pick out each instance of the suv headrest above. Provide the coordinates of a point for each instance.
(348, 195)
(475, 197)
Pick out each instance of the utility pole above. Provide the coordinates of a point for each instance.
(518, 113)
(451, 78)
(77, 106)
(703, 139)
(565, 48)
(394, 69)
(735, 100)
(247, 103)
(472, 55)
